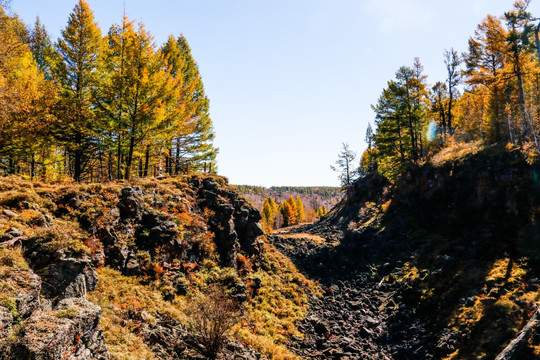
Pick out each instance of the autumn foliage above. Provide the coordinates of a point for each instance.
(93, 107)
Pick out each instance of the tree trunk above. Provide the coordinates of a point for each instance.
(78, 157)
(513, 349)
(119, 158)
(177, 170)
(537, 40)
(146, 160)
(11, 165)
(450, 100)
(32, 166)
(130, 157)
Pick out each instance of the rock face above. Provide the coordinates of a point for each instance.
(70, 330)
(405, 268)
(234, 221)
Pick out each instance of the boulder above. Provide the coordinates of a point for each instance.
(69, 332)
(130, 204)
(6, 321)
(69, 277)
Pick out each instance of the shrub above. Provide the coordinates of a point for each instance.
(212, 315)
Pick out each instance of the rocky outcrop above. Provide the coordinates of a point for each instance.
(130, 203)
(440, 264)
(65, 274)
(154, 232)
(68, 330)
(234, 221)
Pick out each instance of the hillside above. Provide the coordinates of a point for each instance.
(443, 264)
(99, 271)
(313, 197)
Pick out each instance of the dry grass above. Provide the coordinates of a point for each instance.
(315, 239)
(279, 304)
(63, 235)
(457, 151)
(12, 257)
(117, 295)
(499, 312)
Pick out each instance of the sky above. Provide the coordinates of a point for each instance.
(289, 81)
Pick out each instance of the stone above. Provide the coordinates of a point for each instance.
(28, 287)
(130, 203)
(9, 213)
(6, 321)
(52, 335)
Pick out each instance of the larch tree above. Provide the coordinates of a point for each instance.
(42, 49)
(193, 141)
(345, 167)
(134, 94)
(149, 92)
(114, 87)
(520, 29)
(300, 211)
(439, 99)
(26, 99)
(452, 61)
(400, 116)
(484, 72)
(368, 161)
(288, 212)
(78, 50)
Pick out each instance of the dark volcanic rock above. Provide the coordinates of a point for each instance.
(65, 275)
(234, 221)
(28, 288)
(130, 204)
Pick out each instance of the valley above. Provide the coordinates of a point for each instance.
(122, 237)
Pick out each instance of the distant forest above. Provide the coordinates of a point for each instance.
(323, 191)
(315, 202)
(96, 107)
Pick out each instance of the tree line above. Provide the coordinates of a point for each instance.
(288, 213)
(491, 94)
(322, 191)
(100, 107)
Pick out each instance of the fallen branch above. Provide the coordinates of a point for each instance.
(14, 241)
(514, 348)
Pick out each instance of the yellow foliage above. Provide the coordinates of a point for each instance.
(457, 151)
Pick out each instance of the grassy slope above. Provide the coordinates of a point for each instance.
(273, 308)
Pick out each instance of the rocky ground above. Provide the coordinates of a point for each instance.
(352, 318)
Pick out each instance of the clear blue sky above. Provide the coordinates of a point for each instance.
(290, 80)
